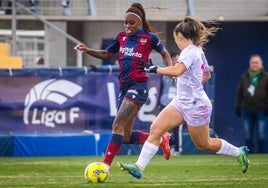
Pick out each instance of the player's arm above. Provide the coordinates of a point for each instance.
(206, 76)
(166, 57)
(101, 54)
(173, 71)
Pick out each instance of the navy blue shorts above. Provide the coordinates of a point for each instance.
(136, 92)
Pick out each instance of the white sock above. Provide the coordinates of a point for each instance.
(147, 153)
(228, 149)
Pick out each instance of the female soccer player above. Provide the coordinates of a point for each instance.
(191, 104)
(134, 44)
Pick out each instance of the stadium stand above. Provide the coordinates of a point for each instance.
(169, 9)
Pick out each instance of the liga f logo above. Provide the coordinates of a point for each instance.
(56, 91)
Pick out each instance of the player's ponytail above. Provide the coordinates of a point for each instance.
(195, 30)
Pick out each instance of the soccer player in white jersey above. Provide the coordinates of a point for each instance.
(191, 104)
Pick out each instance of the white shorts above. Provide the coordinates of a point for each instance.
(196, 113)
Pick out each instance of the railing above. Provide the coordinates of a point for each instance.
(29, 45)
(101, 8)
(168, 9)
(15, 7)
(32, 51)
(51, 7)
(113, 9)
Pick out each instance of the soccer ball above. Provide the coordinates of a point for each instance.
(96, 172)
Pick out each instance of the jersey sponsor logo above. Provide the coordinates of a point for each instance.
(143, 41)
(126, 51)
(54, 92)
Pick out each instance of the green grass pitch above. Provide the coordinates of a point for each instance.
(180, 171)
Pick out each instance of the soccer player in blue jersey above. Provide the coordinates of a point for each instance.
(133, 45)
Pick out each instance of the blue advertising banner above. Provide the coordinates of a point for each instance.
(63, 103)
(69, 111)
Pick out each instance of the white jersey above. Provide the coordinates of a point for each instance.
(189, 84)
(191, 98)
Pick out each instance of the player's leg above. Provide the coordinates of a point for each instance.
(139, 137)
(134, 136)
(167, 119)
(202, 140)
(126, 114)
(140, 97)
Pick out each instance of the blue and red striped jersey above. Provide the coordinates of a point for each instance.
(132, 49)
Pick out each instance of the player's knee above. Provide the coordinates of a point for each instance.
(202, 146)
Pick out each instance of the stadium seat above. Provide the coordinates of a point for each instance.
(6, 61)
(10, 62)
(4, 49)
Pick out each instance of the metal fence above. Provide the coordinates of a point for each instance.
(51, 7)
(29, 45)
(32, 51)
(156, 9)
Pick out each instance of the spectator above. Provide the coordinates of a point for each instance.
(168, 92)
(2, 11)
(9, 8)
(40, 61)
(64, 3)
(34, 6)
(65, 6)
(252, 103)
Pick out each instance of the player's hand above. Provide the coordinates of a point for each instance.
(81, 47)
(147, 67)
